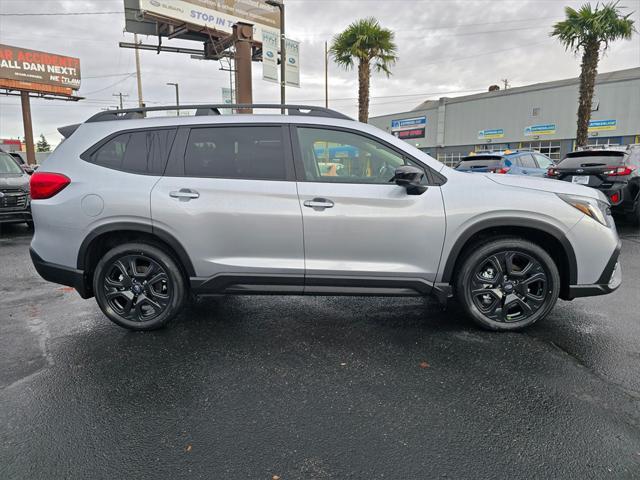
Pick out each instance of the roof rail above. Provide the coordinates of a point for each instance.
(214, 109)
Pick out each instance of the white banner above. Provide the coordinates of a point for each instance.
(270, 42)
(292, 67)
(227, 97)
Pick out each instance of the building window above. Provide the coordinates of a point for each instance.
(550, 149)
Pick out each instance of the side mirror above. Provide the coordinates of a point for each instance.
(410, 177)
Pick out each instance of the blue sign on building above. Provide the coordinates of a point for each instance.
(408, 123)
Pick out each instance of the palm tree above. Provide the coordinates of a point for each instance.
(589, 30)
(365, 41)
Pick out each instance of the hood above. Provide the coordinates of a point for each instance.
(14, 181)
(546, 185)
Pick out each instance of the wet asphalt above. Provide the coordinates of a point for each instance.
(315, 388)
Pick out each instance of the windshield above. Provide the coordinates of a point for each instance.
(593, 159)
(8, 164)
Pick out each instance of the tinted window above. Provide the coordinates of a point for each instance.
(592, 159)
(142, 152)
(527, 161)
(236, 152)
(543, 162)
(8, 164)
(480, 162)
(338, 156)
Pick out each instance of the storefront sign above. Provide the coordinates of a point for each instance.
(408, 134)
(602, 125)
(541, 129)
(408, 123)
(488, 134)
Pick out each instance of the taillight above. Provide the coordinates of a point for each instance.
(552, 172)
(615, 198)
(46, 184)
(503, 170)
(619, 171)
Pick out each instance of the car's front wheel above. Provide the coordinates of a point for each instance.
(139, 286)
(508, 284)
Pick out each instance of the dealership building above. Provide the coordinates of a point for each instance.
(540, 117)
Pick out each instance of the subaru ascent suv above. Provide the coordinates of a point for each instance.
(142, 212)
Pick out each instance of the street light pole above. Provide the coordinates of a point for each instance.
(283, 55)
(177, 95)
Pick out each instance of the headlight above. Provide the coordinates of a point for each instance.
(591, 207)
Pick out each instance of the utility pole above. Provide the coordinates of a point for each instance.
(243, 38)
(138, 75)
(506, 83)
(177, 94)
(120, 94)
(28, 128)
(326, 75)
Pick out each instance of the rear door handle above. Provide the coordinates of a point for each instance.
(318, 203)
(184, 194)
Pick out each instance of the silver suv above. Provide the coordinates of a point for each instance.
(142, 211)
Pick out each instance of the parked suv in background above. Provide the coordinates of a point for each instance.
(15, 206)
(141, 212)
(615, 171)
(513, 162)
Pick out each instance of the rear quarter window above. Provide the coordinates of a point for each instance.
(142, 151)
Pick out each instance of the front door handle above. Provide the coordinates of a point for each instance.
(184, 194)
(318, 203)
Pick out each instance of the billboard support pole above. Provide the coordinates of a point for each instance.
(138, 76)
(28, 127)
(243, 38)
(326, 75)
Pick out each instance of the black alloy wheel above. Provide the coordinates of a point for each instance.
(509, 286)
(139, 286)
(508, 283)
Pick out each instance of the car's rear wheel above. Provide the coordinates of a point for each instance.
(139, 286)
(508, 284)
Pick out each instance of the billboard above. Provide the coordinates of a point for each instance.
(35, 71)
(217, 14)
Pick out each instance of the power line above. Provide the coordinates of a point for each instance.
(57, 14)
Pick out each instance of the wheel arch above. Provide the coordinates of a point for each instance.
(105, 235)
(547, 236)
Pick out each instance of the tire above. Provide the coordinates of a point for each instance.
(139, 286)
(512, 273)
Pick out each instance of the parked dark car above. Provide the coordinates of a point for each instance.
(511, 162)
(615, 171)
(15, 205)
(26, 168)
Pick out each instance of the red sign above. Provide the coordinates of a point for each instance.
(413, 133)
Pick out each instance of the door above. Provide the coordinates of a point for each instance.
(229, 197)
(362, 232)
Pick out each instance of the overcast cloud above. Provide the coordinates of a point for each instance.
(446, 48)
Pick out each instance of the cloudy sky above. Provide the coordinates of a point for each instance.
(446, 48)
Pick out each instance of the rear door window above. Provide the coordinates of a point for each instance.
(480, 161)
(527, 161)
(242, 152)
(543, 162)
(143, 152)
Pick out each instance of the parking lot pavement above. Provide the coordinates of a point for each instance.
(312, 387)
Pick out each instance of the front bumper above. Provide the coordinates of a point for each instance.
(52, 272)
(15, 216)
(608, 282)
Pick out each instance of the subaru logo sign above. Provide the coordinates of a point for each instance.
(292, 60)
(270, 54)
(580, 170)
(154, 3)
